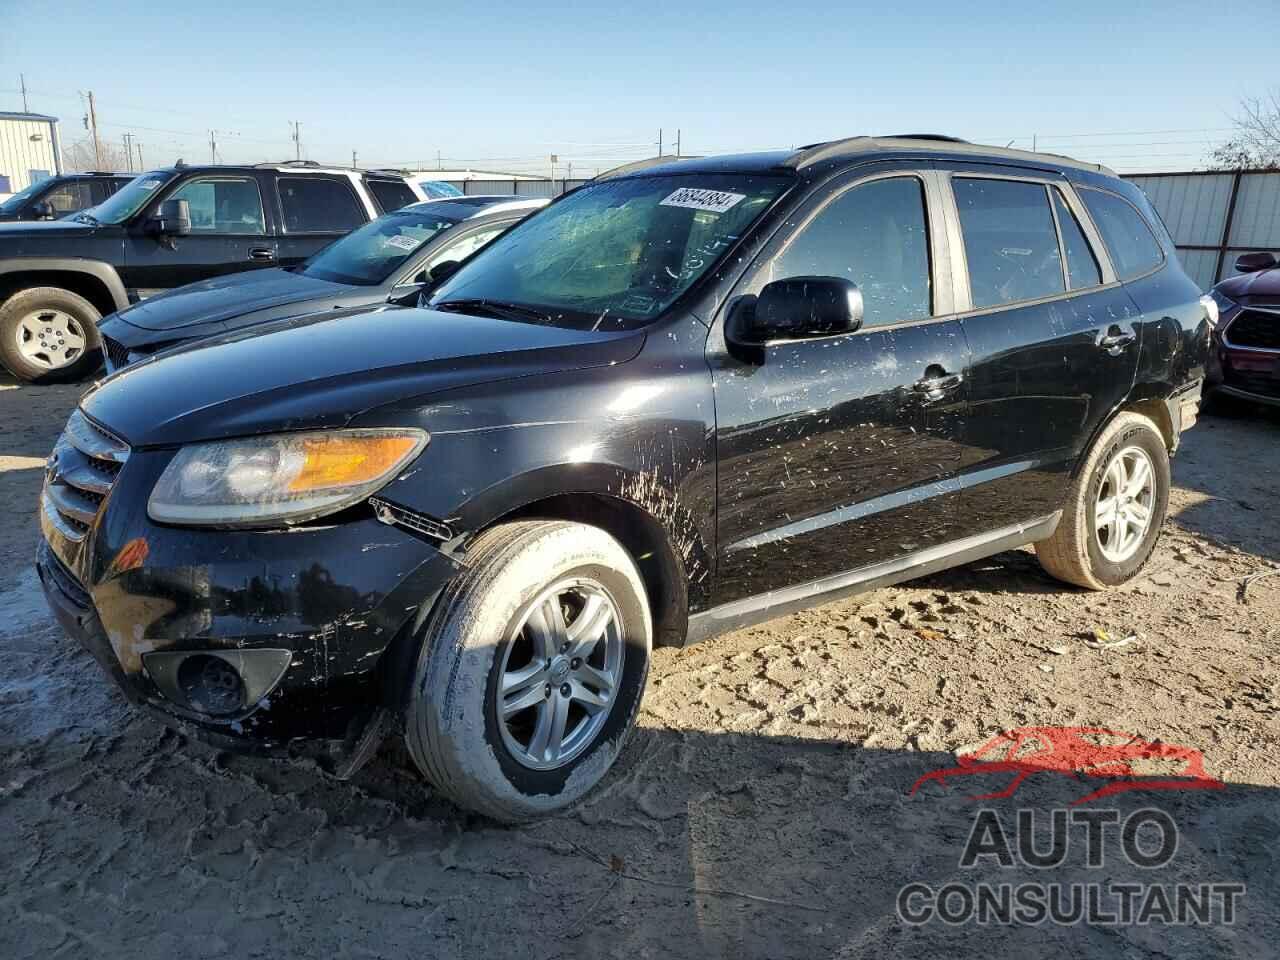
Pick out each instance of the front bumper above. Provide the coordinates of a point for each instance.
(341, 599)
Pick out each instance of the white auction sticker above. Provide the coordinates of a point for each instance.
(149, 184)
(716, 201)
(401, 241)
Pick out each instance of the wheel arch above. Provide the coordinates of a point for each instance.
(94, 280)
(1150, 400)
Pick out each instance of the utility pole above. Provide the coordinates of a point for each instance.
(353, 161)
(140, 166)
(297, 139)
(659, 141)
(439, 165)
(93, 125)
(22, 80)
(677, 143)
(128, 152)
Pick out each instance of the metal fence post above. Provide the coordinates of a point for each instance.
(1226, 227)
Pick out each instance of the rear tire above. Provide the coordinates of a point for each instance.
(49, 335)
(1112, 517)
(498, 662)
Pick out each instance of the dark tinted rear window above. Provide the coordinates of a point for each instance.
(391, 194)
(319, 205)
(1009, 240)
(1133, 246)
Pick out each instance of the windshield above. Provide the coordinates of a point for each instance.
(369, 255)
(18, 199)
(614, 254)
(129, 199)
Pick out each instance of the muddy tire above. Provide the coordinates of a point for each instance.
(1115, 508)
(49, 335)
(531, 670)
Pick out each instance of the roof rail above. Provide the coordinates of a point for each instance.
(399, 172)
(922, 136)
(286, 163)
(637, 165)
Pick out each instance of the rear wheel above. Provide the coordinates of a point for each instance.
(1115, 508)
(48, 334)
(531, 670)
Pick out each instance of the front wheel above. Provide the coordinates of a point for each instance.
(49, 335)
(531, 669)
(1115, 508)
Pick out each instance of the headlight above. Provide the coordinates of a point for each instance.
(287, 478)
(1223, 304)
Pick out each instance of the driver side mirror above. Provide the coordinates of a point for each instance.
(1253, 262)
(410, 294)
(795, 309)
(173, 220)
(43, 210)
(443, 270)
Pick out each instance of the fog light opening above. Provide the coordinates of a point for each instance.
(211, 685)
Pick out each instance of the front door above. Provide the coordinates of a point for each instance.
(834, 452)
(228, 234)
(1054, 338)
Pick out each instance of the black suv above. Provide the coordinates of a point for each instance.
(164, 229)
(58, 196)
(678, 400)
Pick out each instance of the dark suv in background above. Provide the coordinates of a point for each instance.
(59, 196)
(678, 400)
(164, 229)
(1245, 364)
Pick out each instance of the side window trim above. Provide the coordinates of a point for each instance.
(182, 182)
(360, 202)
(940, 282)
(1062, 246)
(963, 294)
(1155, 234)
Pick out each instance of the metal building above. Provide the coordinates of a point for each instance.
(29, 150)
(1216, 216)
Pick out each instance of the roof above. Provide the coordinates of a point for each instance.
(851, 150)
(27, 116)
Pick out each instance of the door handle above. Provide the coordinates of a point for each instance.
(936, 382)
(261, 253)
(1115, 340)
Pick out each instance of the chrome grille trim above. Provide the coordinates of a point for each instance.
(81, 470)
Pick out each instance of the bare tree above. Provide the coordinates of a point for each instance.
(1257, 139)
(78, 156)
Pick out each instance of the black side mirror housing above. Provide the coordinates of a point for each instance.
(43, 210)
(1253, 262)
(795, 309)
(444, 270)
(409, 294)
(173, 220)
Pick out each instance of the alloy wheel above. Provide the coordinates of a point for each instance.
(1126, 500)
(50, 338)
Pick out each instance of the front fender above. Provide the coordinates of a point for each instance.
(99, 270)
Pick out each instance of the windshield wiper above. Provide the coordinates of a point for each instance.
(500, 309)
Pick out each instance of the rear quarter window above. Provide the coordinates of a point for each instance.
(1133, 245)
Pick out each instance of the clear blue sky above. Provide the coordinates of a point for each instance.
(503, 85)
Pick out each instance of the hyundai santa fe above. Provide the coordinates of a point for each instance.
(684, 398)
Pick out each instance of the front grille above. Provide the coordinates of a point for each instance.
(1259, 329)
(81, 470)
(117, 354)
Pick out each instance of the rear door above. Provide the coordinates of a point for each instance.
(836, 452)
(314, 210)
(1054, 336)
(229, 233)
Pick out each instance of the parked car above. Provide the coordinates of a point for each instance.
(434, 189)
(59, 196)
(165, 229)
(676, 401)
(1245, 361)
(390, 257)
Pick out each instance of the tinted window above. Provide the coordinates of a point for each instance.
(1009, 240)
(616, 253)
(1082, 266)
(439, 190)
(369, 255)
(319, 205)
(230, 205)
(69, 197)
(391, 194)
(465, 246)
(1134, 249)
(874, 235)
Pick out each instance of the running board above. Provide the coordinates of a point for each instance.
(778, 603)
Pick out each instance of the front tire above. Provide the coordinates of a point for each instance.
(1115, 508)
(49, 335)
(531, 670)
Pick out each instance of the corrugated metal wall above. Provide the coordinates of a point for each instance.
(19, 154)
(519, 188)
(1215, 217)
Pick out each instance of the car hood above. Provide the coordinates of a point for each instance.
(20, 230)
(224, 298)
(1264, 283)
(321, 371)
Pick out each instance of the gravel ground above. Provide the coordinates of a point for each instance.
(761, 809)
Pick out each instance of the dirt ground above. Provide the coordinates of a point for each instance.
(761, 810)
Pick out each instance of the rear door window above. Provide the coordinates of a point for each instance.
(319, 205)
(874, 235)
(1010, 241)
(1134, 249)
(1082, 265)
(391, 194)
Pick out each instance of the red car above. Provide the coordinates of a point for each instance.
(1245, 361)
